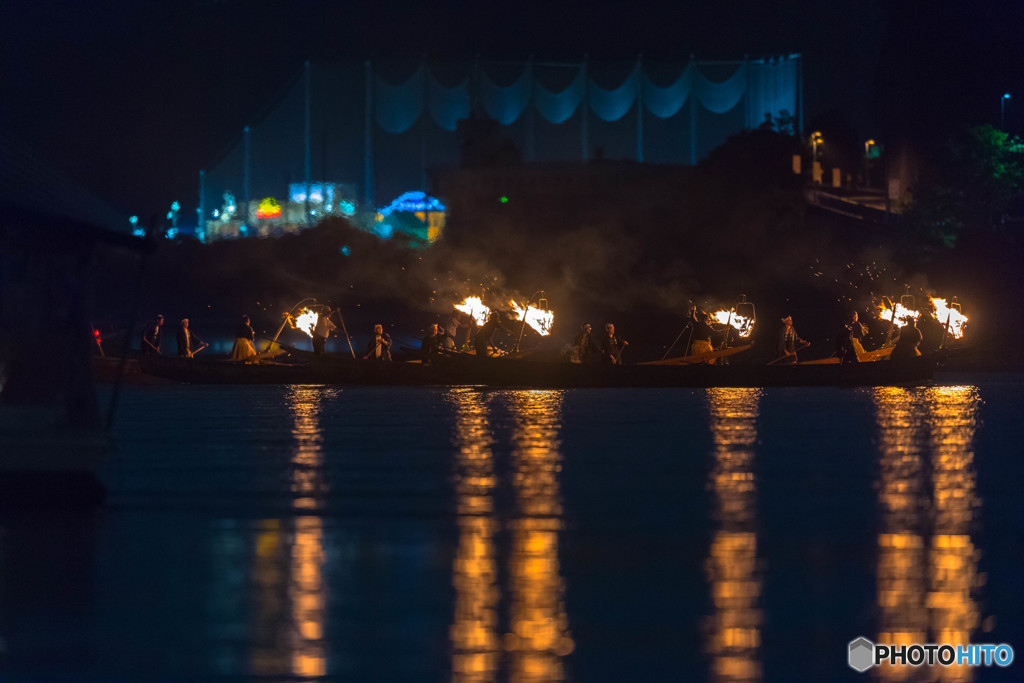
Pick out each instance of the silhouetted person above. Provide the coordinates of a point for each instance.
(244, 337)
(322, 330)
(910, 339)
(151, 336)
(848, 339)
(379, 346)
(432, 343)
(584, 346)
(789, 342)
(611, 346)
(188, 342)
(482, 342)
(700, 323)
(451, 330)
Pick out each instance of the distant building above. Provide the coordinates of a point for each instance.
(266, 217)
(545, 196)
(562, 194)
(380, 125)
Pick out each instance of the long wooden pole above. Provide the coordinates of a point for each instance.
(678, 337)
(892, 322)
(347, 338)
(728, 324)
(803, 346)
(618, 356)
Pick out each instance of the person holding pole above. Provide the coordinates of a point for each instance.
(151, 336)
(379, 346)
(848, 343)
(611, 346)
(188, 343)
(789, 343)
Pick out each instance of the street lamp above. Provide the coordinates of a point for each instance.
(867, 165)
(816, 139)
(1002, 110)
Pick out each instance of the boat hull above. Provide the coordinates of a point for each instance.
(507, 372)
(331, 371)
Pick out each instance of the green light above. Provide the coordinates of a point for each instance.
(504, 200)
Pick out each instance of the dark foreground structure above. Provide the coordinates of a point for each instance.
(53, 435)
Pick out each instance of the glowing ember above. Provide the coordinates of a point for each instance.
(955, 318)
(473, 306)
(903, 315)
(536, 318)
(306, 321)
(743, 324)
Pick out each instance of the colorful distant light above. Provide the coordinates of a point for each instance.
(413, 202)
(319, 193)
(268, 208)
(504, 199)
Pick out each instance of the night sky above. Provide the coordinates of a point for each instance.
(131, 99)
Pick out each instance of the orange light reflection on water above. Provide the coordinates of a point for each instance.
(473, 634)
(734, 637)
(927, 562)
(537, 637)
(288, 573)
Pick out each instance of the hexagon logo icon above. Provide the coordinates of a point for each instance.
(861, 654)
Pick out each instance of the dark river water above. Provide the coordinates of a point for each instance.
(431, 534)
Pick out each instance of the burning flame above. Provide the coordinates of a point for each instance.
(743, 324)
(536, 318)
(306, 321)
(472, 305)
(902, 314)
(951, 317)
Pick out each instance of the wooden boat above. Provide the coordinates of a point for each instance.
(709, 357)
(863, 356)
(520, 373)
(334, 370)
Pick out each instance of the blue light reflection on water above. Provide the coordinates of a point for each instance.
(460, 534)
